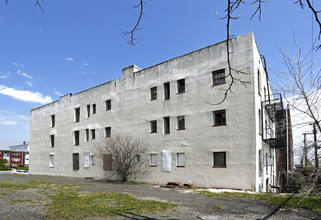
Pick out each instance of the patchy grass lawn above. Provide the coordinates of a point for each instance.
(66, 201)
(288, 201)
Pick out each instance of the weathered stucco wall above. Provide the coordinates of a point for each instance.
(132, 110)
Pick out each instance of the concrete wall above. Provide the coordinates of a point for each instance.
(132, 110)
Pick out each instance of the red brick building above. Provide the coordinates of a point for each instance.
(16, 155)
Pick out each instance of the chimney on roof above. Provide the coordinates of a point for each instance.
(24, 143)
(128, 71)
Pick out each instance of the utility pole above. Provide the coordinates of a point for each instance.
(315, 148)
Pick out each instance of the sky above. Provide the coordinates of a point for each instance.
(78, 44)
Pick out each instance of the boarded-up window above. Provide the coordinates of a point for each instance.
(86, 155)
(153, 160)
(166, 161)
(180, 160)
(107, 162)
(52, 161)
(75, 161)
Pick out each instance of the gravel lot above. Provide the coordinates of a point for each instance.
(191, 206)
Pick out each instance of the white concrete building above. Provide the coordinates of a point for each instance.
(168, 104)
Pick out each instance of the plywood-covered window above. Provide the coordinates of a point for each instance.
(153, 160)
(52, 161)
(180, 160)
(107, 162)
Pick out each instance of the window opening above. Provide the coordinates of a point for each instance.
(166, 91)
(219, 117)
(180, 123)
(153, 93)
(153, 127)
(218, 77)
(181, 86)
(219, 159)
(166, 125)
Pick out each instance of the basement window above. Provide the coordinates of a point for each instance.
(153, 93)
(219, 118)
(218, 77)
(153, 127)
(181, 86)
(219, 159)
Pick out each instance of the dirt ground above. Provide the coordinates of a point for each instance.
(191, 206)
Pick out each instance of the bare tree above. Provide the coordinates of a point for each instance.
(124, 156)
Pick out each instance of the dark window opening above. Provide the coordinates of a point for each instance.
(75, 161)
(53, 121)
(52, 140)
(87, 135)
(166, 91)
(108, 104)
(76, 134)
(77, 114)
(153, 93)
(218, 77)
(108, 132)
(93, 133)
(94, 108)
(219, 159)
(180, 123)
(181, 86)
(166, 125)
(219, 118)
(88, 111)
(153, 127)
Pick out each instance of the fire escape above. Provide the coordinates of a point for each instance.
(277, 114)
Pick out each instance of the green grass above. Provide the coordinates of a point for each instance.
(66, 201)
(287, 201)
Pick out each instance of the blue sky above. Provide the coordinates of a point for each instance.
(78, 44)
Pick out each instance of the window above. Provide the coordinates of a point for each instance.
(259, 82)
(166, 91)
(76, 136)
(86, 160)
(94, 108)
(75, 161)
(52, 161)
(181, 86)
(153, 127)
(52, 140)
(219, 159)
(153, 160)
(219, 118)
(218, 77)
(108, 104)
(93, 133)
(77, 114)
(137, 158)
(107, 132)
(153, 93)
(260, 122)
(107, 162)
(53, 123)
(180, 123)
(88, 111)
(180, 160)
(93, 159)
(87, 135)
(166, 125)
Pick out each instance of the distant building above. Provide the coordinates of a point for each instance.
(230, 145)
(16, 155)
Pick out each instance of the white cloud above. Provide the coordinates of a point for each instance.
(29, 83)
(5, 76)
(10, 119)
(85, 64)
(58, 93)
(25, 95)
(69, 59)
(85, 73)
(18, 64)
(24, 74)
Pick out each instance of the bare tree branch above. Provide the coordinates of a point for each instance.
(132, 39)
